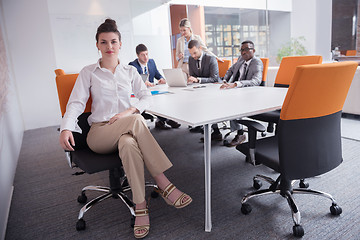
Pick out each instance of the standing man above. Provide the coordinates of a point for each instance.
(246, 72)
(145, 65)
(203, 68)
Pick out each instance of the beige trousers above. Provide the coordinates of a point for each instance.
(136, 145)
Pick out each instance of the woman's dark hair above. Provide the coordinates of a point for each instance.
(108, 26)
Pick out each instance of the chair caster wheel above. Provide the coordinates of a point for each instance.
(246, 208)
(335, 209)
(154, 194)
(257, 184)
(298, 231)
(80, 225)
(263, 134)
(132, 222)
(303, 184)
(82, 198)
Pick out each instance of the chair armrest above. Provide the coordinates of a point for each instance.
(68, 158)
(253, 125)
(253, 128)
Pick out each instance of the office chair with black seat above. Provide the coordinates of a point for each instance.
(308, 141)
(91, 162)
(283, 78)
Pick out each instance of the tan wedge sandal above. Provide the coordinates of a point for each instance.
(178, 203)
(140, 228)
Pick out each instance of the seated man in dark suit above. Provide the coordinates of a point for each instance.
(145, 65)
(203, 68)
(246, 72)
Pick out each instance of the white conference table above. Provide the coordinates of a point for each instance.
(207, 105)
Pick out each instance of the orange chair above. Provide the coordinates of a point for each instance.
(283, 78)
(223, 67)
(308, 143)
(265, 62)
(288, 66)
(350, 53)
(65, 84)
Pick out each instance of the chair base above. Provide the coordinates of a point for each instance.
(108, 192)
(298, 230)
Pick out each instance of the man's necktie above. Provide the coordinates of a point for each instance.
(145, 70)
(198, 63)
(244, 73)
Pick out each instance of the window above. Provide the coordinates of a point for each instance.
(226, 28)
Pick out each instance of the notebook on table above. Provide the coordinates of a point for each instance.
(175, 77)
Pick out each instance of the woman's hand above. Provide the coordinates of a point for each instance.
(125, 113)
(180, 56)
(67, 140)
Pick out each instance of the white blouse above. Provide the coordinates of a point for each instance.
(110, 94)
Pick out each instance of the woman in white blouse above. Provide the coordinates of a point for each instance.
(117, 125)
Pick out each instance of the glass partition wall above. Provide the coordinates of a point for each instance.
(226, 28)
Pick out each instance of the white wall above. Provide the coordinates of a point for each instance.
(73, 30)
(11, 132)
(279, 24)
(323, 29)
(32, 52)
(312, 19)
(151, 26)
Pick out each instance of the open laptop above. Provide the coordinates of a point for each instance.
(144, 77)
(175, 77)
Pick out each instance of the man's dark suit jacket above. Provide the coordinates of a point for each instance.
(152, 70)
(209, 70)
(253, 76)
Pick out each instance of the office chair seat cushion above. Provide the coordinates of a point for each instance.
(266, 152)
(92, 162)
(85, 158)
(80, 138)
(272, 116)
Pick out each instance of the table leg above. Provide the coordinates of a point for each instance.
(207, 159)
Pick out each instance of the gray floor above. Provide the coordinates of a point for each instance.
(44, 202)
